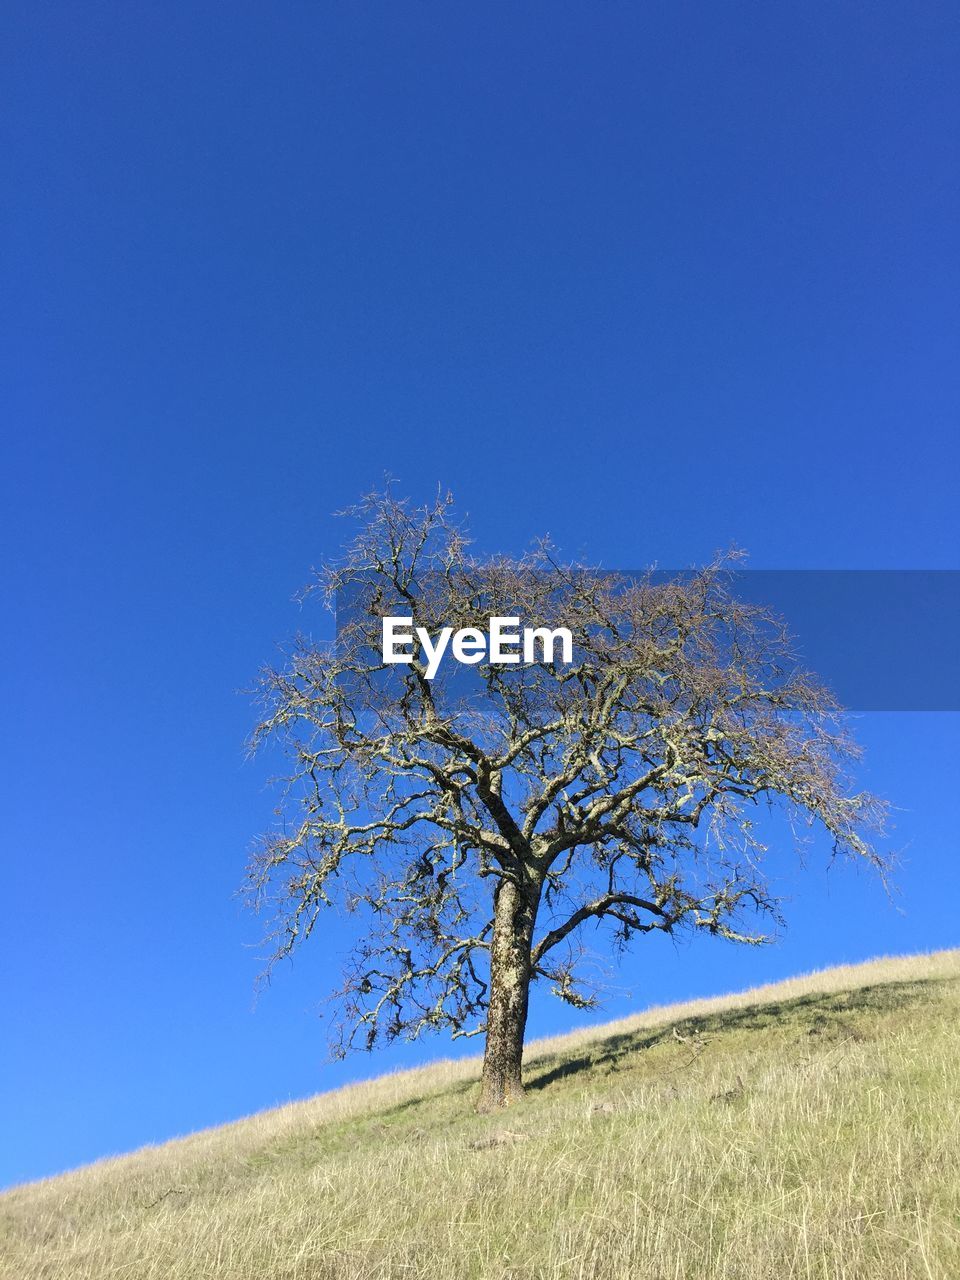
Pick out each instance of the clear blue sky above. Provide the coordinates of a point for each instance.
(650, 277)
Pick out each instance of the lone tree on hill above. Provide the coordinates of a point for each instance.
(477, 822)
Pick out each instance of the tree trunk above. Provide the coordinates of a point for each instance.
(514, 916)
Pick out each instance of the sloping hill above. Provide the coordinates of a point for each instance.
(810, 1129)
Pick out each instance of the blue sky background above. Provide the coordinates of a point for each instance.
(652, 278)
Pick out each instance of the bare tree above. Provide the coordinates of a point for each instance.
(476, 822)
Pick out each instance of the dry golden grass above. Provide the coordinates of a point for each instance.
(810, 1128)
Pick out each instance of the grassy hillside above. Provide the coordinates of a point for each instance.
(810, 1129)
